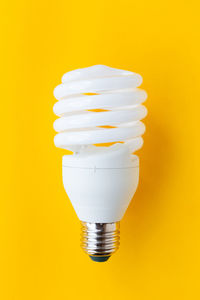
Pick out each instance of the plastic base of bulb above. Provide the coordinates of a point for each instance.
(100, 240)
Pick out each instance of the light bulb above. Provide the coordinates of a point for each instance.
(99, 105)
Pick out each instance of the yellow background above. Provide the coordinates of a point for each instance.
(40, 257)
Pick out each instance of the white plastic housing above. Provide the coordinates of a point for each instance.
(100, 188)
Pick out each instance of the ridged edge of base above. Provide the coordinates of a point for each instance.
(100, 239)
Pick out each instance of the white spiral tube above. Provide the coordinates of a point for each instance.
(116, 96)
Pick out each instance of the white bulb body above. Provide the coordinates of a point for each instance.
(100, 187)
(100, 105)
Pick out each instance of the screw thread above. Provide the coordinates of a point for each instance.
(100, 239)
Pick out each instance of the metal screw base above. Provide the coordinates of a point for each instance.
(100, 240)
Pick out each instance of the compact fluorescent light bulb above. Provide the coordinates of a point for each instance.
(100, 105)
